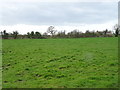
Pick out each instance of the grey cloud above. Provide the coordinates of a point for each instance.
(58, 13)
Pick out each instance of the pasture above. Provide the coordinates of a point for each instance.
(60, 63)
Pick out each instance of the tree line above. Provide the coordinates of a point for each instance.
(52, 33)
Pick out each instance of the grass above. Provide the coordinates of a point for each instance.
(60, 63)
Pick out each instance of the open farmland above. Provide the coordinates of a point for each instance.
(60, 63)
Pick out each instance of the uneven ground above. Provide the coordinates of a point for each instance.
(59, 63)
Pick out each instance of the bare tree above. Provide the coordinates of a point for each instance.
(51, 30)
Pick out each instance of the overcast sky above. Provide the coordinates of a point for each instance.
(36, 15)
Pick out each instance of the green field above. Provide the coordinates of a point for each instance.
(60, 63)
